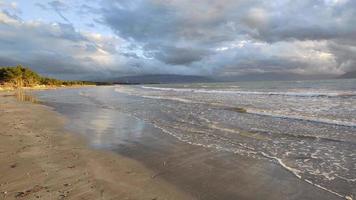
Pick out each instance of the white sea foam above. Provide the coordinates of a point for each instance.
(301, 117)
(246, 151)
(346, 179)
(298, 94)
(83, 94)
(294, 171)
(297, 172)
(169, 98)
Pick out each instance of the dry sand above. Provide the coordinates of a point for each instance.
(39, 160)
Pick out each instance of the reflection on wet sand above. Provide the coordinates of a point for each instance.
(108, 125)
(106, 128)
(22, 95)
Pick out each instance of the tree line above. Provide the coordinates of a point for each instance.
(20, 76)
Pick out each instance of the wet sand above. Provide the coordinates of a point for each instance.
(214, 175)
(40, 157)
(40, 160)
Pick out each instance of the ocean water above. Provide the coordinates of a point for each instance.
(306, 127)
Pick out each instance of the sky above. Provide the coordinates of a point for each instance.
(92, 39)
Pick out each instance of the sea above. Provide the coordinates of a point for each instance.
(306, 127)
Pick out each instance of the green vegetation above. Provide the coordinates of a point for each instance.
(20, 76)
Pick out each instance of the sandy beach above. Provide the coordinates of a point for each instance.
(39, 160)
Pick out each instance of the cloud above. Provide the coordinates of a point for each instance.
(41, 6)
(345, 56)
(215, 37)
(304, 20)
(60, 50)
(53, 48)
(166, 29)
(196, 33)
(180, 56)
(59, 7)
(9, 5)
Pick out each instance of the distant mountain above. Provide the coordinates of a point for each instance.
(351, 74)
(169, 78)
(274, 77)
(161, 78)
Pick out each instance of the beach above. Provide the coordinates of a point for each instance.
(69, 148)
(40, 160)
(177, 100)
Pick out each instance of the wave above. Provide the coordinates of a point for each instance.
(297, 94)
(265, 113)
(169, 98)
(303, 118)
(261, 112)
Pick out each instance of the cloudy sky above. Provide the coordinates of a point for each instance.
(110, 38)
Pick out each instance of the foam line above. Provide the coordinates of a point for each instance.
(297, 94)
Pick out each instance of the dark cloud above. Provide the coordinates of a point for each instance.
(12, 15)
(42, 6)
(130, 55)
(67, 31)
(91, 25)
(142, 21)
(59, 7)
(86, 9)
(176, 32)
(180, 56)
(215, 37)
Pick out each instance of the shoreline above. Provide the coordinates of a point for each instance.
(43, 161)
(42, 87)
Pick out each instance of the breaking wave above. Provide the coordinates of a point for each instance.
(297, 94)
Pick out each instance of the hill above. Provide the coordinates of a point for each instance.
(272, 76)
(351, 74)
(161, 78)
